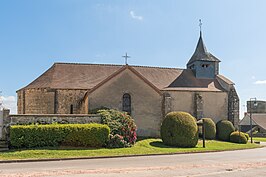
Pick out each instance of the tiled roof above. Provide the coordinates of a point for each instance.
(257, 119)
(87, 76)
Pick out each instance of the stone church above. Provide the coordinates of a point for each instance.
(145, 92)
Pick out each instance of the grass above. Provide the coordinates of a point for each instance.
(146, 146)
(263, 139)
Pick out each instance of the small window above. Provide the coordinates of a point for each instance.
(71, 109)
(205, 65)
(191, 67)
(126, 103)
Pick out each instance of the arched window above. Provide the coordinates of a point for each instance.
(126, 103)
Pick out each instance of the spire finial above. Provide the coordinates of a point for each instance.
(126, 57)
(200, 24)
(1, 101)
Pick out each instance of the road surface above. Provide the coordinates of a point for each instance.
(250, 162)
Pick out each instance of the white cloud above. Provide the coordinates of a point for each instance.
(9, 102)
(260, 82)
(253, 77)
(134, 16)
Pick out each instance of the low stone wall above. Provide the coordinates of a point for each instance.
(25, 119)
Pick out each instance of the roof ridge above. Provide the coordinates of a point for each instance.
(160, 67)
(141, 66)
(87, 64)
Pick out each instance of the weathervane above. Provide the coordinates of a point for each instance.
(126, 57)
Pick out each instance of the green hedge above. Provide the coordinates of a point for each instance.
(89, 135)
(238, 137)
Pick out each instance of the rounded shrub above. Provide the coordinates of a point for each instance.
(179, 129)
(120, 123)
(210, 128)
(238, 137)
(224, 128)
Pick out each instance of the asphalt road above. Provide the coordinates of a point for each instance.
(231, 163)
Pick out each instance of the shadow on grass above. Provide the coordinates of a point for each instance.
(160, 144)
(66, 148)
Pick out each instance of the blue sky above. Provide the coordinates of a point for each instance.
(34, 34)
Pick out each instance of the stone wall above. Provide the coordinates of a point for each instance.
(66, 98)
(4, 128)
(146, 103)
(50, 101)
(24, 119)
(233, 107)
(213, 104)
(36, 101)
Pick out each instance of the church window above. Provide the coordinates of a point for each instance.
(126, 103)
(71, 109)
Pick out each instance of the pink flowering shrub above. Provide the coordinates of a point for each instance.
(117, 141)
(122, 124)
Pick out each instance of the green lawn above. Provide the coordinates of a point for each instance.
(259, 139)
(147, 146)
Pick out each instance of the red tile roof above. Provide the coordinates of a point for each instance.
(87, 76)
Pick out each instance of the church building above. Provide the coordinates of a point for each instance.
(147, 93)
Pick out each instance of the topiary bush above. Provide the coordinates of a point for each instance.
(210, 128)
(179, 129)
(28, 136)
(120, 123)
(224, 128)
(238, 137)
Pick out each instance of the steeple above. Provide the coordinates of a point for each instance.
(203, 63)
(201, 53)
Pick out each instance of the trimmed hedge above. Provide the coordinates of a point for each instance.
(179, 129)
(210, 128)
(224, 128)
(238, 137)
(89, 135)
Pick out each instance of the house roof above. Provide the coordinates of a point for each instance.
(88, 76)
(201, 53)
(257, 119)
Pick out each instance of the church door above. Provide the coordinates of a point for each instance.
(127, 103)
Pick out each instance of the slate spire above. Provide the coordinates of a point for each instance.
(201, 53)
(202, 62)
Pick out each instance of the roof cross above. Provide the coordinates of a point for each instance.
(1, 101)
(200, 24)
(126, 57)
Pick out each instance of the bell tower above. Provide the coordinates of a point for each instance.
(203, 63)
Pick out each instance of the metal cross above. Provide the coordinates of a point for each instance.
(200, 24)
(1, 102)
(126, 57)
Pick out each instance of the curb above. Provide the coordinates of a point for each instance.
(119, 156)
